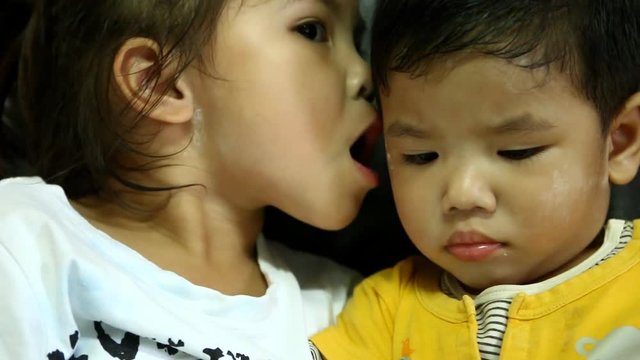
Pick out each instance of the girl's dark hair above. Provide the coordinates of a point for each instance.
(14, 15)
(595, 42)
(65, 79)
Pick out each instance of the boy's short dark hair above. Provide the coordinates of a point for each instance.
(595, 42)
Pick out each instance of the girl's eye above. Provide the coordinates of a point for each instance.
(420, 159)
(313, 30)
(521, 154)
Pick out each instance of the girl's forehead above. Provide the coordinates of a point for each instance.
(344, 9)
(335, 6)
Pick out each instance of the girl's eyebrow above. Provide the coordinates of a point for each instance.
(331, 4)
(334, 5)
(361, 26)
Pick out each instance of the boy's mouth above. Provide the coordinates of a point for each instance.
(362, 150)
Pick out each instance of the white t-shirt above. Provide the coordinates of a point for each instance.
(69, 291)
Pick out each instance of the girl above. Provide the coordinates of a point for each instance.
(162, 130)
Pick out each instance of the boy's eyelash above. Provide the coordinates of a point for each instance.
(421, 158)
(314, 30)
(511, 155)
(521, 154)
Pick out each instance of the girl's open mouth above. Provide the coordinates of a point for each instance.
(362, 150)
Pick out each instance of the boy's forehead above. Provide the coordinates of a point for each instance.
(512, 72)
(438, 68)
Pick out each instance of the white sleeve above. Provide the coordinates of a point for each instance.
(22, 335)
(32, 315)
(324, 284)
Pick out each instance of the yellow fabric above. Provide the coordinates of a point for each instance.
(401, 314)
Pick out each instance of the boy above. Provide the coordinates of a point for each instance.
(505, 124)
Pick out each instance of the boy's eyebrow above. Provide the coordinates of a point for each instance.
(524, 123)
(401, 128)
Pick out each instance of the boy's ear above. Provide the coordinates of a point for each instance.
(148, 86)
(624, 138)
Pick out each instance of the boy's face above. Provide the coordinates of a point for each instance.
(288, 102)
(500, 174)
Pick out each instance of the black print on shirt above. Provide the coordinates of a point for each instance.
(214, 354)
(59, 355)
(238, 356)
(127, 349)
(217, 354)
(171, 348)
(56, 355)
(73, 339)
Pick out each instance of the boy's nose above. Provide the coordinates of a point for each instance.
(468, 189)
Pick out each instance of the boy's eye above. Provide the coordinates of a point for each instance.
(313, 30)
(420, 159)
(521, 154)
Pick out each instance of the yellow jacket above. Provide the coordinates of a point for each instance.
(401, 314)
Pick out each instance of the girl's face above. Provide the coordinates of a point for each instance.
(500, 174)
(284, 101)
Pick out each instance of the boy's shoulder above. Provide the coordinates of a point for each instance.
(406, 270)
(414, 273)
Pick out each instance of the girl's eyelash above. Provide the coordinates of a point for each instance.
(313, 30)
(421, 158)
(358, 34)
(521, 154)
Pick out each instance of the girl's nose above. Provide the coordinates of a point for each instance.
(359, 82)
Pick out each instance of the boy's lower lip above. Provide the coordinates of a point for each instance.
(473, 252)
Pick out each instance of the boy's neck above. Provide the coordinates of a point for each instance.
(593, 246)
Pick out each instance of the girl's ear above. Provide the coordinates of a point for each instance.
(149, 85)
(624, 140)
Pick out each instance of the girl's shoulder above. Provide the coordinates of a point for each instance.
(36, 216)
(324, 285)
(311, 270)
(24, 193)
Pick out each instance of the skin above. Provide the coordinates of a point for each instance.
(267, 117)
(285, 116)
(512, 159)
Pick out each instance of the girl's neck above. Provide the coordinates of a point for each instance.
(190, 232)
